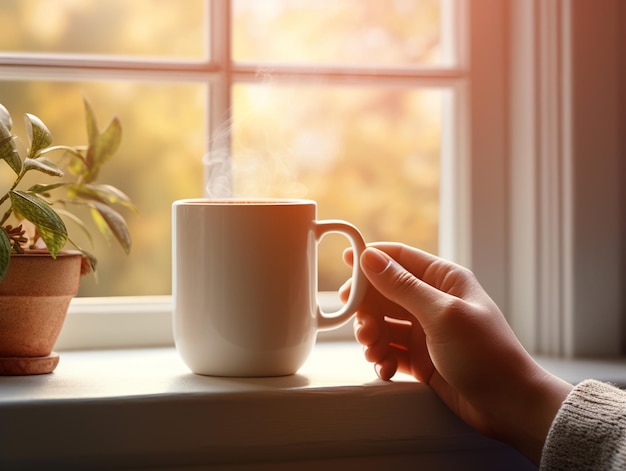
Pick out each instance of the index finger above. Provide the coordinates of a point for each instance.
(441, 274)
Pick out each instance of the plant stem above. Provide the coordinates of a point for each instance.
(6, 216)
(6, 196)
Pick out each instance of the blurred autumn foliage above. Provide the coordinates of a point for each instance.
(367, 151)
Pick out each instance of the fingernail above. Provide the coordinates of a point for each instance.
(346, 286)
(357, 327)
(380, 373)
(344, 291)
(347, 252)
(374, 260)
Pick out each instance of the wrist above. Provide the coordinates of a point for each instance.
(537, 406)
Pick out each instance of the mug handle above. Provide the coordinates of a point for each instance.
(333, 320)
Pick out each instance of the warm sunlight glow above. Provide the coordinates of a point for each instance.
(368, 152)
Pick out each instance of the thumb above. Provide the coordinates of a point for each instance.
(400, 286)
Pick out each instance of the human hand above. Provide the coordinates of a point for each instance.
(430, 318)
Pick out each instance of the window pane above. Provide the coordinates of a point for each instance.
(151, 28)
(370, 155)
(160, 160)
(343, 32)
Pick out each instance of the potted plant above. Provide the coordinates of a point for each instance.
(38, 275)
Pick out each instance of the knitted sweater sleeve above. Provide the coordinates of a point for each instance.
(589, 431)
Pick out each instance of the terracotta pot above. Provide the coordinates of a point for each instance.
(34, 297)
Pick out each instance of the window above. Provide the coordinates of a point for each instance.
(449, 124)
(359, 105)
(344, 103)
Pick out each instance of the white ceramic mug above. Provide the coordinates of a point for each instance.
(245, 284)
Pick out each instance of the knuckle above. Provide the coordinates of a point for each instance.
(453, 307)
(405, 283)
(456, 316)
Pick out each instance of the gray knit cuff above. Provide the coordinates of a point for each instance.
(589, 431)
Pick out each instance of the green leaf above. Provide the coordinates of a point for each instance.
(107, 218)
(38, 135)
(93, 261)
(44, 165)
(5, 253)
(45, 189)
(8, 149)
(78, 165)
(92, 125)
(46, 220)
(5, 118)
(78, 222)
(106, 194)
(101, 146)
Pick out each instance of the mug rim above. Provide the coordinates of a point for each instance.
(243, 201)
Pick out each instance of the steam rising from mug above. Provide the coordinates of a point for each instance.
(218, 174)
(265, 172)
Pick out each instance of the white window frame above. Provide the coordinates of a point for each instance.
(509, 202)
(565, 271)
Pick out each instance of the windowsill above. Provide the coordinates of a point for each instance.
(142, 408)
(144, 322)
